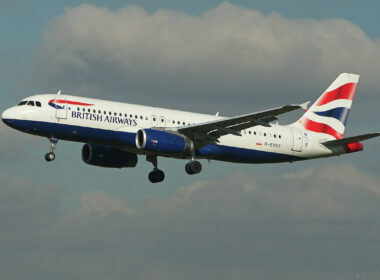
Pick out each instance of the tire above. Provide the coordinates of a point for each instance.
(49, 157)
(193, 167)
(156, 176)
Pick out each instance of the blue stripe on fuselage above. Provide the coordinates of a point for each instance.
(127, 139)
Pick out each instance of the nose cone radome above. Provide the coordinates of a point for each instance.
(7, 117)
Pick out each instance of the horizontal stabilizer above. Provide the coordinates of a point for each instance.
(352, 139)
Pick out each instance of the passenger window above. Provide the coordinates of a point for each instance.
(178, 122)
(136, 117)
(162, 120)
(110, 113)
(279, 136)
(126, 115)
(249, 132)
(94, 111)
(83, 109)
(274, 135)
(130, 116)
(146, 118)
(154, 119)
(104, 112)
(173, 122)
(141, 118)
(120, 114)
(78, 109)
(30, 103)
(265, 134)
(99, 112)
(89, 110)
(114, 113)
(22, 103)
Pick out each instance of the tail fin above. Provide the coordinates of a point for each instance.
(329, 113)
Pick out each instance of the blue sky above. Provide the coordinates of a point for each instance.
(229, 221)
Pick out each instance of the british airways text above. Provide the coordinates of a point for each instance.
(102, 118)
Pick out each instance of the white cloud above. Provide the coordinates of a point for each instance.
(297, 225)
(98, 203)
(226, 58)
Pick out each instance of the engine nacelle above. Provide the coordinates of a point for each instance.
(105, 156)
(168, 142)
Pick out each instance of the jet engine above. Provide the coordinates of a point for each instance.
(168, 142)
(105, 156)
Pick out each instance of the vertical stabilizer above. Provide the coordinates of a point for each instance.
(328, 115)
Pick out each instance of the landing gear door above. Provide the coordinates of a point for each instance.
(297, 140)
(60, 107)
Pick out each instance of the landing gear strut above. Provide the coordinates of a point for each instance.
(193, 167)
(157, 175)
(53, 144)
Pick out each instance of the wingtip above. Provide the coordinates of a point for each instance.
(305, 105)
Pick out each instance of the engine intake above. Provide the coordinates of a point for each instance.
(168, 142)
(105, 156)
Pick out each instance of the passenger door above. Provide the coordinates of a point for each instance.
(297, 140)
(60, 107)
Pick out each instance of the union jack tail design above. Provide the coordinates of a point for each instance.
(329, 113)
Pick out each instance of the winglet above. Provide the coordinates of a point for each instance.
(304, 105)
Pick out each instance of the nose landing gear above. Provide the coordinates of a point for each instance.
(53, 144)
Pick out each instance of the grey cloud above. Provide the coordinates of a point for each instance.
(229, 58)
(309, 224)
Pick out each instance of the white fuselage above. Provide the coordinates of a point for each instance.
(115, 124)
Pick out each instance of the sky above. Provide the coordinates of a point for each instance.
(67, 220)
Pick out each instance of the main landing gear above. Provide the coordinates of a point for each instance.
(193, 167)
(53, 144)
(157, 175)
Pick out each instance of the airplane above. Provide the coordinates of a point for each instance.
(116, 133)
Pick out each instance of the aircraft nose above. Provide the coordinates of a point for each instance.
(6, 117)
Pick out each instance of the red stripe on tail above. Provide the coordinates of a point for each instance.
(346, 91)
(319, 127)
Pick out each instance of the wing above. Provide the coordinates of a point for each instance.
(212, 130)
(349, 140)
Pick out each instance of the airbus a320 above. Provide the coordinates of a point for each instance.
(116, 133)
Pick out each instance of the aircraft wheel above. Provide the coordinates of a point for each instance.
(49, 156)
(156, 176)
(193, 167)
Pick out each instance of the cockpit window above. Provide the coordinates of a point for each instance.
(38, 103)
(22, 103)
(30, 103)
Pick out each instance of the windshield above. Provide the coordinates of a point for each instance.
(22, 103)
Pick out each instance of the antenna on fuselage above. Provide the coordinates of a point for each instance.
(59, 92)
